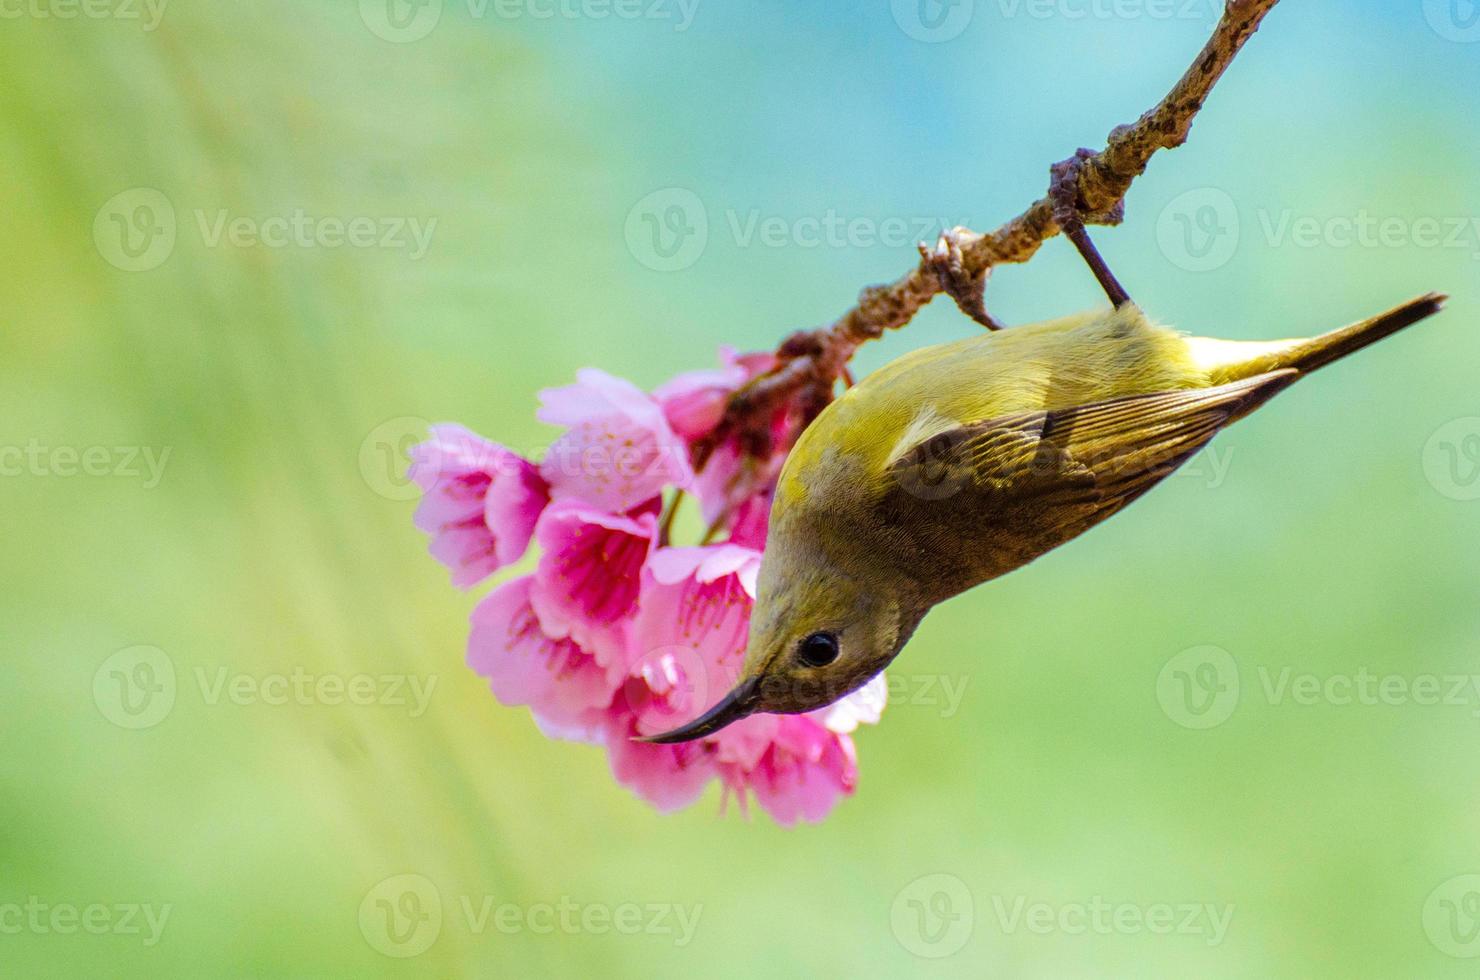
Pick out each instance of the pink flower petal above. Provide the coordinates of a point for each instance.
(693, 403)
(588, 579)
(746, 742)
(670, 777)
(480, 505)
(595, 393)
(688, 642)
(752, 521)
(706, 563)
(700, 620)
(618, 452)
(863, 707)
(803, 774)
(720, 485)
(612, 636)
(561, 683)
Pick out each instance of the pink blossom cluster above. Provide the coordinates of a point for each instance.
(617, 633)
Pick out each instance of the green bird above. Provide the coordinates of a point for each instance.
(964, 461)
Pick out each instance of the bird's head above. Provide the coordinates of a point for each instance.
(817, 633)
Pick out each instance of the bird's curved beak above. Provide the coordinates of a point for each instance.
(739, 703)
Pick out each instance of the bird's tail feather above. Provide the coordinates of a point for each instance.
(1316, 352)
(1320, 351)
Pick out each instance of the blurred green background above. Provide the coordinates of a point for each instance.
(1336, 534)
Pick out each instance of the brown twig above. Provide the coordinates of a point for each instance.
(967, 288)
(810, 362)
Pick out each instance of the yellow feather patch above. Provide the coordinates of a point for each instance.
(927, 424)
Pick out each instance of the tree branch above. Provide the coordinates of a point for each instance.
(810, 362)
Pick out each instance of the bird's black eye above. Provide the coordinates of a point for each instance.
(819, 649)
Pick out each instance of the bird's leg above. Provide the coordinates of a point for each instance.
(969, 291)
(1063, 191)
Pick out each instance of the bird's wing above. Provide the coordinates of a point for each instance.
(1068, 463)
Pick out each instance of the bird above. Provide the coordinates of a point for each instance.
(963, 461)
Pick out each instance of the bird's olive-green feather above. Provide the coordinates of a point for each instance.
(961, 462)
(1071, 361)
(985, 498)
